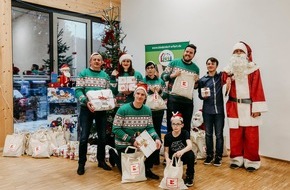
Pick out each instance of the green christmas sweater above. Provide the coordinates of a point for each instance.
(178, 64)
(156, 82)
(89, 79)
(129, 122)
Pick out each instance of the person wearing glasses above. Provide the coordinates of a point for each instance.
(178, 143)
(155, 85)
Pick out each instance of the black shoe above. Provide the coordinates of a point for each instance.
(251, 169)
(234, 166)
(208, 160)
(151, 175)
(188, 181)
(104, 165)
(112, 154)
(81, 169)
(217, 161)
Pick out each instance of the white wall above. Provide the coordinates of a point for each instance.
(214, 27)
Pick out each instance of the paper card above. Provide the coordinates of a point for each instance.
(147, 144)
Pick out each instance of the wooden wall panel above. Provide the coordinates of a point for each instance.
(89, 7)
(6, 100)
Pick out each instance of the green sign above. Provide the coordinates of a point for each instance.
(164, 53)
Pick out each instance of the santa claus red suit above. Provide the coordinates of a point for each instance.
(64, 78)
(244, 107)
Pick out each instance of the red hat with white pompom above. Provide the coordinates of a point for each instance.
(64, 67)
(245, 48)
(177, 116)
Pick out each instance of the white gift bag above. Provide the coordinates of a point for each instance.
(155, 102)
(173, 175)
(14, 145)
(183, 85)
(101, 99)
(133, 166)
(197, 137)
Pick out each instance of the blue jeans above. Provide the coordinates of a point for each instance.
(214, 122)
(86, 121)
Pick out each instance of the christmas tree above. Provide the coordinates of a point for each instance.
(62, 48)
(112, 39)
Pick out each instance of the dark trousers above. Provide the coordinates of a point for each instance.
(86, 121)
(117, 158)
(157, 117)
(188, 158)
(186, 109)
(214, 122)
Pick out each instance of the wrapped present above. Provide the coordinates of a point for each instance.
(101, 99)
(127, 83)
(205, 92)
(147, 144)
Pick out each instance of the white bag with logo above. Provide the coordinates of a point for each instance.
(173, 175)
(133, 166)
(183, 85)
(101, 99)
(155, 102)
(14, 145)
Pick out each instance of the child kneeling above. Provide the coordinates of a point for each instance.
(178, 142)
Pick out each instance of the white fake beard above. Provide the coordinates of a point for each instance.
(238, 66)
(66, 73)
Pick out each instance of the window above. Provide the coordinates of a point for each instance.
(43, 40)
(71, 44)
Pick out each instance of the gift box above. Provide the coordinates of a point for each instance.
(205, 92)
(146, 142)
(101, 99)
(127, 83)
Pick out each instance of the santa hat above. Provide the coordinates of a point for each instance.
(125, 56)
(177, 116)
(245, 47)
(141, 86)
(64, 67)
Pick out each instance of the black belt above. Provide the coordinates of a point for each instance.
(241, 101)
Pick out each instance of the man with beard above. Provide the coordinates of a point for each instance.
(244, 107)
(175, 102)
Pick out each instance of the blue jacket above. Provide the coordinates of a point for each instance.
(214, 104)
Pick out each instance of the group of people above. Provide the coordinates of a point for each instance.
(246, 102)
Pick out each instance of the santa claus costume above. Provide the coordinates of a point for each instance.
(244, 107)
(65, 75)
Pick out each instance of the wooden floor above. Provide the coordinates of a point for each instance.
(58, 173)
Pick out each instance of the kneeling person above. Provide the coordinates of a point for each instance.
(178, 142)
(132, 119)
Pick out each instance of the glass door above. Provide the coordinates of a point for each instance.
(72, 44)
